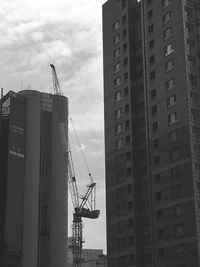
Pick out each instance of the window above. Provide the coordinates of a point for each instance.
(119, 161)
(155, 143)
(131, 240)
(152, 75)
(118, 96)
(139, 59)
(123, 261)
(177, 190)
(121, 193)
(122, 243)
(120, 175)
(146, 221)
(159, 214)
(124, 19)
(116, 39)
(180, 250)
(131, 259)
(168, 49)
(191, 60)
(151, 44)
(188, 12)
(170, 84)
(172, 118)
(193, 79)
(126, 76)
(171, 101)
(156, 160)
(174, 154)
(116, 53)
(150, 14)
(117, 67)
(128, 139)
(118, 128)
(147, 258)
(175, 172)
(118, 144)
(123, 3)
(161, 252)
(167, 33)
(157, 178)
(165, 3)
(147, 239)
(189, 27)
(127, 124)
(169, 65)
(154, 110)
(167, 17)
(173, 136)
(139, 74)
(118, 113)
(195, 114)
(121, 226)
(126, 109)
(125, 61)
(190, 43)
(117, 82)
(152, 60)
(160, 233)
(179, 230)
(124, 33)
(128, 171)
(128, 155)
(126, 91)
(155, 127)
(116, 25)
(129, 188)
(139, 44)
(153, 94)
(158, 195)
(178, 210)
(125, 47)
(150, 29)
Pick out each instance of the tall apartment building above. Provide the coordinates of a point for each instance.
(33, 184)
(152, 132)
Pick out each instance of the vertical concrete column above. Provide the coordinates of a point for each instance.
(59, 192)
(32, 176)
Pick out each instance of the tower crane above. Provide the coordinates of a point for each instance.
(84, 205)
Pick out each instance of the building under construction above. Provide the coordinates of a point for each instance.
(33, 181)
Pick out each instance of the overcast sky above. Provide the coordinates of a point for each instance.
(67, 33)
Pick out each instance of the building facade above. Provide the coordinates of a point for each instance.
(90, 257)
(152, 132)
(33, 177)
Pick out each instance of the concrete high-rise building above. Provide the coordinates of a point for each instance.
(152, 132)
(33, 181)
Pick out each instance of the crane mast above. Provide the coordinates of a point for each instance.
(84, 205)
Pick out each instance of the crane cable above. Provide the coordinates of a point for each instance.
(81, 149)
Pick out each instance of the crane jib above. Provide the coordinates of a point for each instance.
(87, 207)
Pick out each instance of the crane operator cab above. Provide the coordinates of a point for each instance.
(87, 213)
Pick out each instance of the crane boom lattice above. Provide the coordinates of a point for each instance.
(84, 205)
